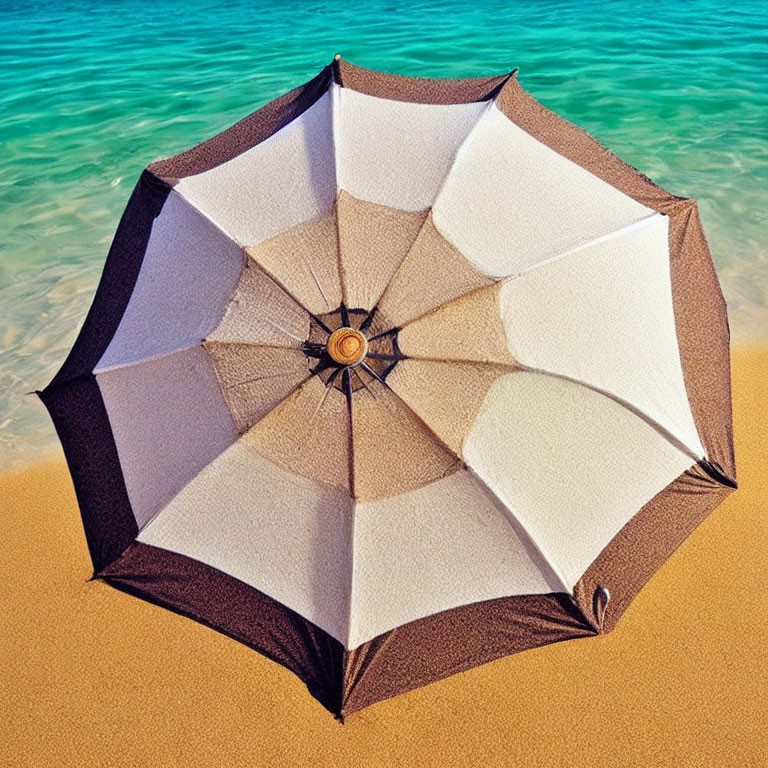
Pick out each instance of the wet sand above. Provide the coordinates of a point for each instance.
(92, 677)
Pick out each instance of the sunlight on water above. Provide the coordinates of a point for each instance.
(93, 92)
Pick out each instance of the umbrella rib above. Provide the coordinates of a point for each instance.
(333, 377)
(280, 328)
(259, 378)
(317, 283)
(535, 552)
(367, 368)
(320, 323)
(339, 256)
(461, 296)
(663, 431)
(463, 361)
(259, 345)
(632, 226)
(380, 335)
(362, 381)
(550, 572)
(346, 381)
(347, 385)
(346, 376)
(152, 358)
(289, 294)
(377, 356)
(328, 385)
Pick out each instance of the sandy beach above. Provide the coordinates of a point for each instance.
(93, 677)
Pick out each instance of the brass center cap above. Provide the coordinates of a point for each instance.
(347, 346)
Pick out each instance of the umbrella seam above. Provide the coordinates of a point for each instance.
(429, 210)
(663, 431)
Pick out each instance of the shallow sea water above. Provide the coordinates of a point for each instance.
(94, 91)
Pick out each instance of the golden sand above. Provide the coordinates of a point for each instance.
(92, 677)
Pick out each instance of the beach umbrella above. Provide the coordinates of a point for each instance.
(394, 377)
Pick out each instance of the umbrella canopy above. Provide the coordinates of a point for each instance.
(394, 377)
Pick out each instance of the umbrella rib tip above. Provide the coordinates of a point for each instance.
(600, 600)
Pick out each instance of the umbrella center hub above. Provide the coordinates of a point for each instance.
(347, 346)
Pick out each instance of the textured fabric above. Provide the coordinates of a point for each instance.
(254, 379)
(396, 153)
(205, 594)
(421, 90)
(308, 434)
(246, 134)
(446, 544)
(373, 240)
(703, 337)
(653, 534)
(453, 641)
(469, 328)
(187, 275)
(557, 206)
(579, 147)
(446, 396)
(603, 316)
(73, 398)
(344, 682)
(645, 543)
(433, 273)
(261, 312)
(245, 196)
(169, 421)
(602, 464)
(697, 298)
(305, 261)
(78, 413)
(393, 450)
(120, 273)
(286, 535)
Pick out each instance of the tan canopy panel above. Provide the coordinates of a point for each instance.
(394, 377)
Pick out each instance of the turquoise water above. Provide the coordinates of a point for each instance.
(93, 92)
